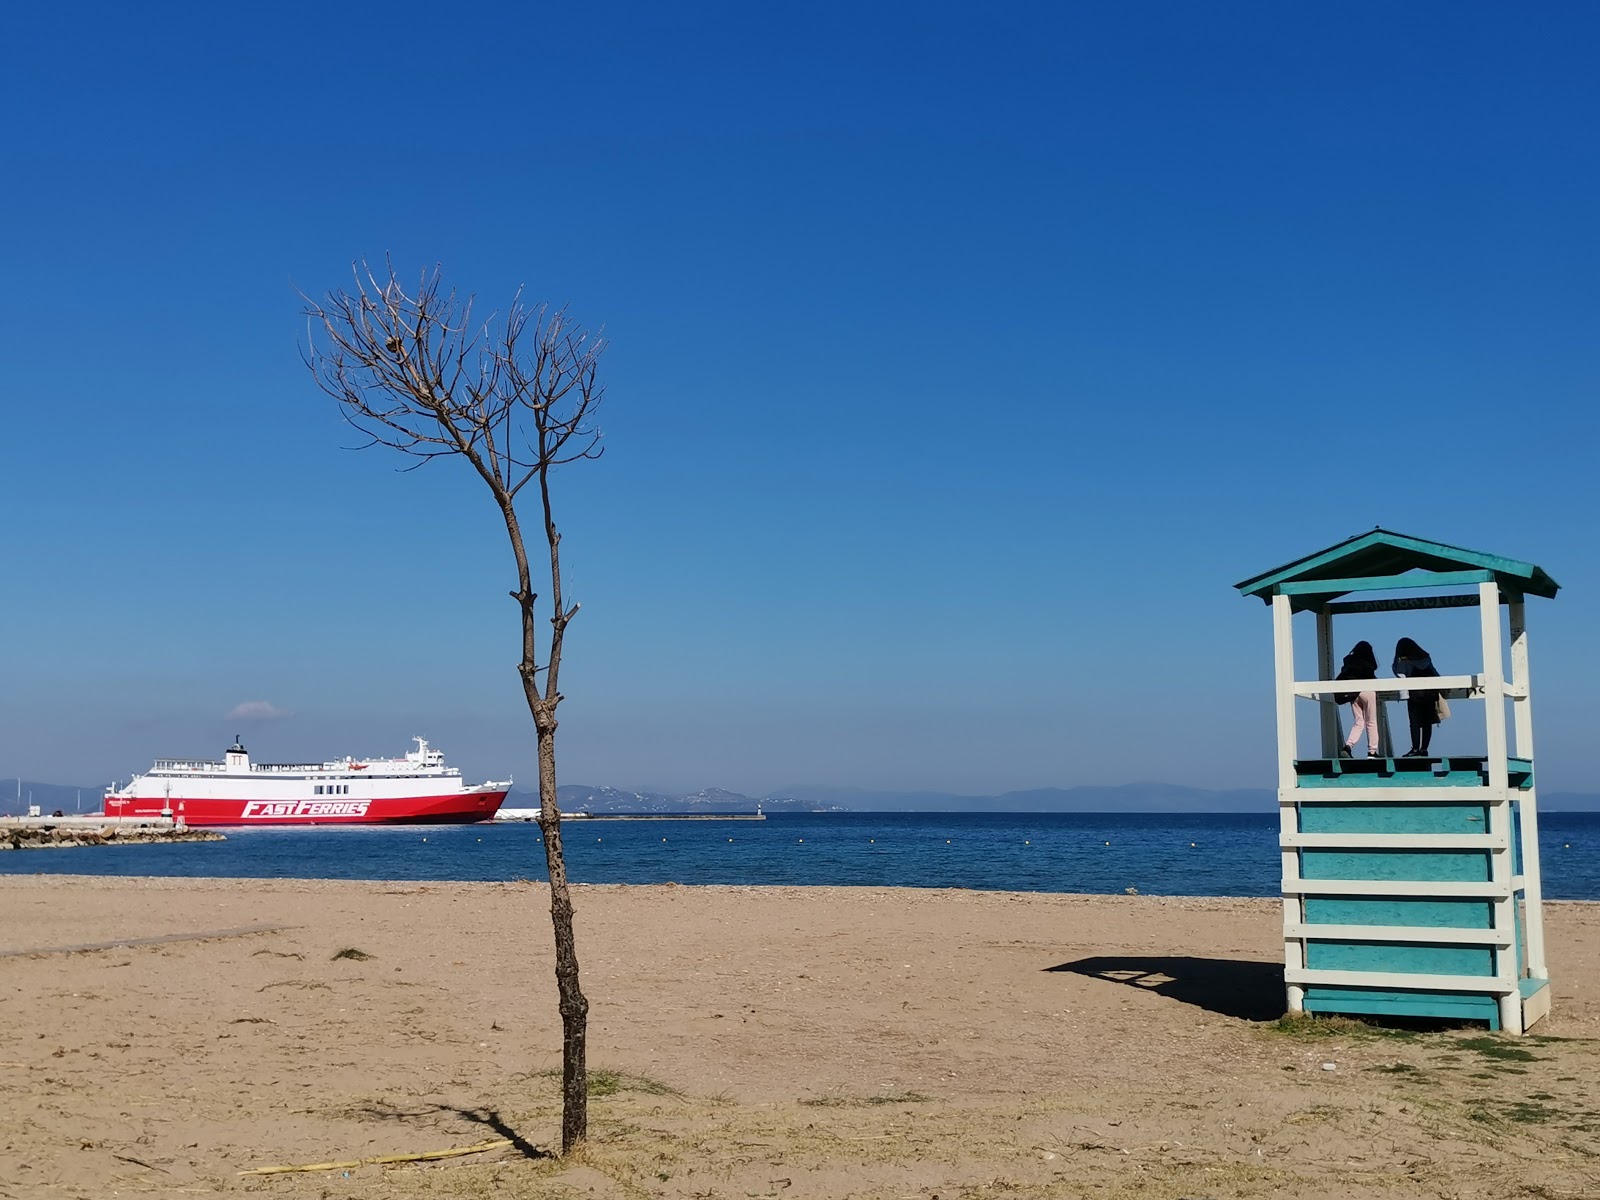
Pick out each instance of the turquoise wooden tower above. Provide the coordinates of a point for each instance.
(1410, 885)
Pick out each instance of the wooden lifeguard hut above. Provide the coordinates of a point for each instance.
(1411, 884)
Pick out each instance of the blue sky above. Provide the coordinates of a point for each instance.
(962, 359)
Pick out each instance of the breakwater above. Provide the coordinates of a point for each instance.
(61, 833)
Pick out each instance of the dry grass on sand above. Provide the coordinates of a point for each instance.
(747, 1042)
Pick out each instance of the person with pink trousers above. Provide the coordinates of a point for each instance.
(1360, 663)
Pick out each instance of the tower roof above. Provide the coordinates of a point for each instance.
(1375, 560)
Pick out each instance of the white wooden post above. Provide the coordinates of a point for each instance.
(1328, 713)
(1294, 957)
(1532, 879)
(1494, 686)
(1499, 798)
(1521, 709)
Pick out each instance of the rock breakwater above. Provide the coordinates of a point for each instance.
(34, 833)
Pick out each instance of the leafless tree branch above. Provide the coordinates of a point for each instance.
(515, 395)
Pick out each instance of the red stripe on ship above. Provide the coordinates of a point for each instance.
(458, 809)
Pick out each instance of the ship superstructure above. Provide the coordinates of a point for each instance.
(415, 788)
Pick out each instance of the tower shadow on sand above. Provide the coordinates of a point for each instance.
(1241, 988)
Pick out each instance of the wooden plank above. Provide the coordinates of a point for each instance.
(1288, 819)
(1323, 687)
(1384, 1002)
(1535, 1006)
(1492, 889)
(1501, 867)
(1384, 583)
(1332, 733)
(1532, 871)
(1400, 604)
(1283, 674)
(1413, 795)
(1489, 984)
(1397, 841)
(1406, 933)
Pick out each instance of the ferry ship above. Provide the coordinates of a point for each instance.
(415, 789)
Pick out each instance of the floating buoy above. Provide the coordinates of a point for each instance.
(802, 840)
(947, 841)
(1027, 843)
(871, 840)
(1108, 843)
(424, 841)
(1191, 845)
(663, 839)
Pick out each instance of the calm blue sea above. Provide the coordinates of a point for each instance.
(1159, 854)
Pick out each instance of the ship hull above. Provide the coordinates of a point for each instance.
(459, 808)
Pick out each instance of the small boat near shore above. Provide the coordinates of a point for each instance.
(417, 788)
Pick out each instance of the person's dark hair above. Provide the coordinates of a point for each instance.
(1406, 648)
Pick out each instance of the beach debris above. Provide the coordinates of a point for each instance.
(375, 1159)
(139, 1162)
(1132, 891)
(352, 953)
(1328, 1066)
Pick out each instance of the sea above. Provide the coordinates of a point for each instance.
(1163, 854)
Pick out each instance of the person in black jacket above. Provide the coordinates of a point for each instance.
(1360, 663)
(1411, 661)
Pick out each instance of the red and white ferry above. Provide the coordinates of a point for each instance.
(418, 788)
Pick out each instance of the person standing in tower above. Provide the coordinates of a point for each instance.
(1411, 661)
(1360, 663)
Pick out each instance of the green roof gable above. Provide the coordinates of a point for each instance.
(1372, 561)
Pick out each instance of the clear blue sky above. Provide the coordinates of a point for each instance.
(963, 358)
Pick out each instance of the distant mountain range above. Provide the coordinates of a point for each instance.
(577, 797)
(1129, 797)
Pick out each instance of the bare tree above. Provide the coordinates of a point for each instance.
(516, 396)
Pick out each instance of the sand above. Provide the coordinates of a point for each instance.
(746, 1042)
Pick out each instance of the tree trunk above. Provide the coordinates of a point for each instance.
(574, 1007)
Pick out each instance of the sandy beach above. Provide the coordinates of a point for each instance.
(159, 1036)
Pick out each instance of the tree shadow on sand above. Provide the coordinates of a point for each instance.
(1248, 990)
(489, 1118)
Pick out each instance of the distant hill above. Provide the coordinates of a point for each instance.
(580, 797)
(1129, 797)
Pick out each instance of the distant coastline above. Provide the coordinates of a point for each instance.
(16, 795)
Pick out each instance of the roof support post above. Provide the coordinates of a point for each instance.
(1329, 713)
(1494, 685)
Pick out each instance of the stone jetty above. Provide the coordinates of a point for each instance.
(54, 833)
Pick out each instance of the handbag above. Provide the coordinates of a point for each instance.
(1441, 708)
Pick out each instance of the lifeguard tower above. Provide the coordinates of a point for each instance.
(1410, 885)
